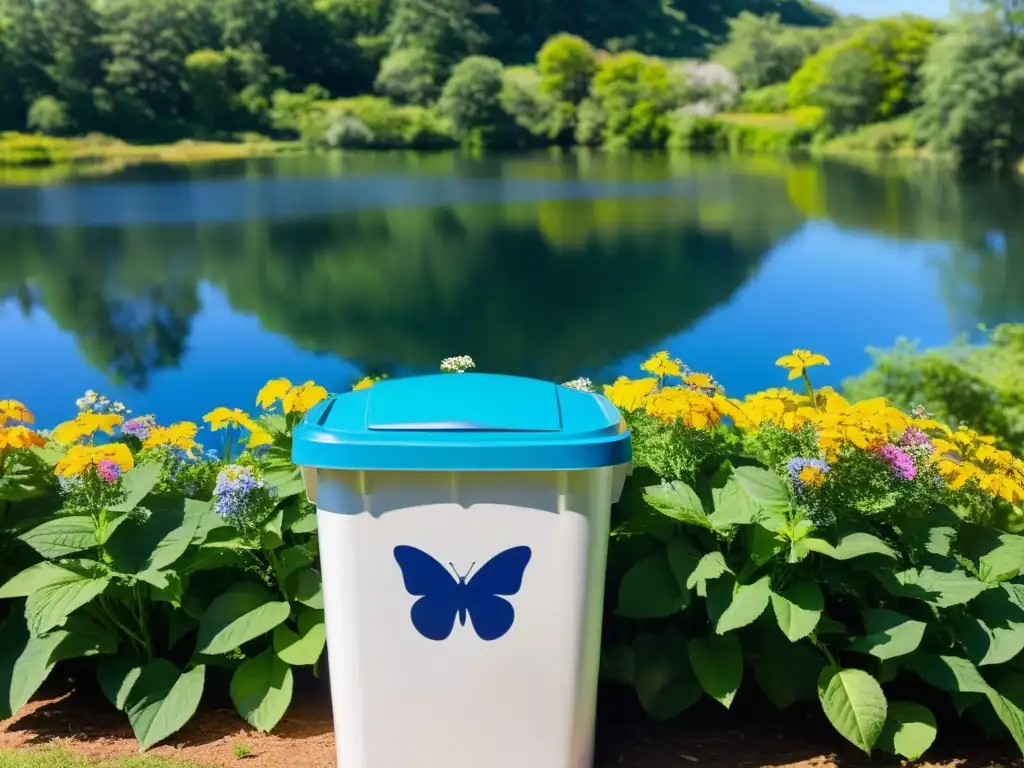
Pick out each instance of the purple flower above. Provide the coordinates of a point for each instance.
(139, 427)
(108, 470)
(913, 437)
(241, 495)
(806, 473)
(901, 462)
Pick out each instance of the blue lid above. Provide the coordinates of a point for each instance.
(462, 422)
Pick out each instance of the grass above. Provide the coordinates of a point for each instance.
(54, 757)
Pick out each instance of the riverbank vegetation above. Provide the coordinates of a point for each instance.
(407, 73)
(866, 553)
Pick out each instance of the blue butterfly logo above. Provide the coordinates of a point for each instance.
(442, 596)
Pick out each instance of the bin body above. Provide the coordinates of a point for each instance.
(463, 606)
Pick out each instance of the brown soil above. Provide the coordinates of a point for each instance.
(81, 721)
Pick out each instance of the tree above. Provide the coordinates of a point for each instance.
(74, 33)
(634, 93)
(12, 97)
(48, 115)
(567, 64)
(445, 27)
(471, 100)
(974, 93)
(209, 79)
(409, 76)
(27, 51)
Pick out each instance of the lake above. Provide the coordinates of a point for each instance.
(178, 289)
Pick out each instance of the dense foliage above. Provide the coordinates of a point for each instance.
(818, 549)
(829, 550)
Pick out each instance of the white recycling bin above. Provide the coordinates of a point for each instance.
(463, 526)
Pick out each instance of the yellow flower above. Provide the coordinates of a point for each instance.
(257, 437)
(272, 391)
(222, 418)
(799, 361)
(303, 397)
(85, 424)
(364, 383)
(662, 365)
(629, 394)
(812, 476)
(19, 437)
(15, 411)
(693, 408)
(781, 407)
(1003, 485)
(181, 435)
(701, 381)
(80, 457)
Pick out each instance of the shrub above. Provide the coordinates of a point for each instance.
(48, 115)
(769, 99)
(26, 149)
(533, 110)
(710, 88)
(743, 132)
(409, 76)
(471, 99)
(566, 64)
(816, 549)
(370, 121)
(634, 93)
(889, 136)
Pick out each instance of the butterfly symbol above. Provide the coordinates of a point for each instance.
(442, 597)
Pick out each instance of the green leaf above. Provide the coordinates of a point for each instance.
(137, 483)
(617, 664)
(748, 603)
(859, 544)
(889, 634)
(1005, 560)
(162, 701)
(304, 524)
(733, 505)
(50, 605)
(854, 703)
(116, 677)
(768, 492)
(662, 676)
(909, 730)
(285, 482)
(32, 579)
(1008, 702)
(942, 589)
(987, 644)
(682, 559)
(273, 534)
(305, 646)
(678, 501)
(718, 664)
(291, 560)
(710, 567)
(156, 542)
(650, 590)
(798, 609)
(786, 671)
(62, 536)
(24, 663)
(261, 689)
(84, 637)
(948, 673)
(307, 587)
(243, 612)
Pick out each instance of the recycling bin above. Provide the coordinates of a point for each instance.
(463, 527)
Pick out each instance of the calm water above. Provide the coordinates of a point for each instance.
(180, 289)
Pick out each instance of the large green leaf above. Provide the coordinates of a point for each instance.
(261, 689)
(82, 636)
(662, 676)
(787, 672)
(62, 536)
(889, 634)
(1005, 560)
(909, 729)
(116, 677)
(859, 544)
(305, 646)
(243, 612)
(285, 482)
(747, 604)
(25, 475)
(156, 542)
(24, 663)
(798, 608)
(854, 703)
(718, 664)
(994, 634)
(650, 590)
(768, 492)
(32, 579)
(733, 505)
(137, 483)
(162, 701)
(942, 589)
(711, 566)
(678, 501)
(307, 587)
(51, 604)
(1008, 702)
(291, 560)
(948, 673)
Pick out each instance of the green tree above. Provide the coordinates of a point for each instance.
(209, 79)
(445, 27)
(27, 50)
(974, 93)
(12, 97)
(48, 115)
(761, 50)
(74, 34)
(567, 64)
(886, 55)
(471, 99)
(409, 76)
(634, 93)
(523, 98)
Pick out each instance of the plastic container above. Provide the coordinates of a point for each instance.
(463, 526)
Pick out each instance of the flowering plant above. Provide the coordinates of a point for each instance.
(880, 540)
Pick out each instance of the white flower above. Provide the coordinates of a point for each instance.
(458, 364)
(583, 384)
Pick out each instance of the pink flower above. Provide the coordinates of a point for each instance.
(901, 462)
(108, 470)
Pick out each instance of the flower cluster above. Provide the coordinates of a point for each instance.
(103, 458)
(14, 432)
(459, 364)
(242, 496)
(91, 402)
(141, 427)
(905, 446)
(294, 398)
(583, 384)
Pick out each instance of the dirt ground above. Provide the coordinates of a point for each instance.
(81, 721)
